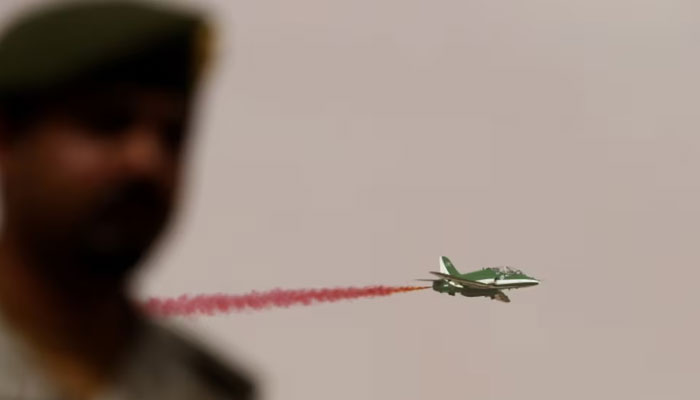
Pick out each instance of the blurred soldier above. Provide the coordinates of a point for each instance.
(95, 99)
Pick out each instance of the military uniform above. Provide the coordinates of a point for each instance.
(56, 48)
(160, 364)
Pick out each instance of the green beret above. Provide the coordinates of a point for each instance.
(59, 45)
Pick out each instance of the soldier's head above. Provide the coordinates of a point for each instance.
(95, 99)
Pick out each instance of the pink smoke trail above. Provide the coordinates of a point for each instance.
(210, 304)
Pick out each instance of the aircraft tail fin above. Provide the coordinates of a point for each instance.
(446, 266)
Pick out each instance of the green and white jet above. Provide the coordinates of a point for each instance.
(486, 282)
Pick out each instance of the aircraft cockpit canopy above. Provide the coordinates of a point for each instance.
(506, 270)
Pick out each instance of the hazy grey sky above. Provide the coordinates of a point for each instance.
(353, 142)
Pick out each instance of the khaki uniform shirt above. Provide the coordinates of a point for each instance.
(161, 366)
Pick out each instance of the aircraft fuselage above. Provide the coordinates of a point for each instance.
(486, 282)
(443, 286)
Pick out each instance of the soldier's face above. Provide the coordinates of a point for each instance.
(95, 178)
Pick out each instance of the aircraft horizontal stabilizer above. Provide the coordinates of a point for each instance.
(461, 281)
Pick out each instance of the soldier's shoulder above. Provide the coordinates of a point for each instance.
(207, 370)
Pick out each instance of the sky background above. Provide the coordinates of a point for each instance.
(354, 142)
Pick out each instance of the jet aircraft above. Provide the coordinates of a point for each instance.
(487, 282)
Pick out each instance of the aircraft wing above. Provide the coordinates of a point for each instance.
(463, 282)
(500, 296)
